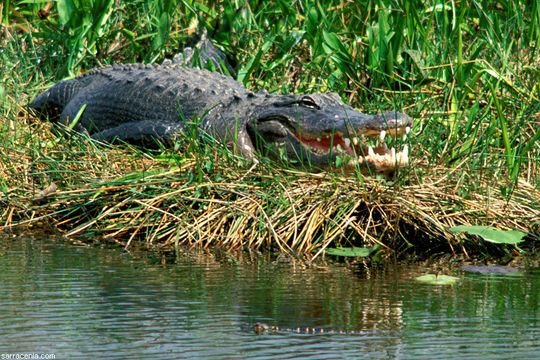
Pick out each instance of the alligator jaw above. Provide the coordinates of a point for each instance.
(323, 149)
(379, 159)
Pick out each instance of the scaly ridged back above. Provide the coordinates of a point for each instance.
(120, 94)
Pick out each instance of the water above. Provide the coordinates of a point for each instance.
(78, 302)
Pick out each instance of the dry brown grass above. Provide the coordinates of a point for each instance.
(128, 196)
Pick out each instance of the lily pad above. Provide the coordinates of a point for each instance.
(349, 251)
(435, 279)
(492, 234)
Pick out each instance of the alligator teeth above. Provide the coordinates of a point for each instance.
(382, 135)
(337, 149)
(319, 139)
(407, 130)
(355, 141)
(402, 157)
(347, 142)
(389, 161)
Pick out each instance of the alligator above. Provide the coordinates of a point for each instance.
(260, 328)
(146, 105)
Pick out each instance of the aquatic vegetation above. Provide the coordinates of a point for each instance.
(436, 279)
(467, 74)
(492, 234)
(352, 251)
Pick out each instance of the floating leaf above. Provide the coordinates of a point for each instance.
(434, 279)
(350, 251)
(492, 234)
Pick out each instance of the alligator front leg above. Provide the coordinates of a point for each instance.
(142, 133)
(245, 146)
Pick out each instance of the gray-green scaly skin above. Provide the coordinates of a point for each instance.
(140, 104)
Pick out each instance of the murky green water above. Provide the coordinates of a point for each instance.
(88, 303)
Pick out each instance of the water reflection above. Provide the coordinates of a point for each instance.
(76, 302)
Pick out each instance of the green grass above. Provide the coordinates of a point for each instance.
(468, 72)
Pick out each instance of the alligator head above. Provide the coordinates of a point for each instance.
(317, 129)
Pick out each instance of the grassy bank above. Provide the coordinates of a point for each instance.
(468, 72)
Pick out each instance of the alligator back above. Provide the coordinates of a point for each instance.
(135, 93)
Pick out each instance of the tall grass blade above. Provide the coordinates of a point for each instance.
(504, 130)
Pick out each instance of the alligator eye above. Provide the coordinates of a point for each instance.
(308, 102)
